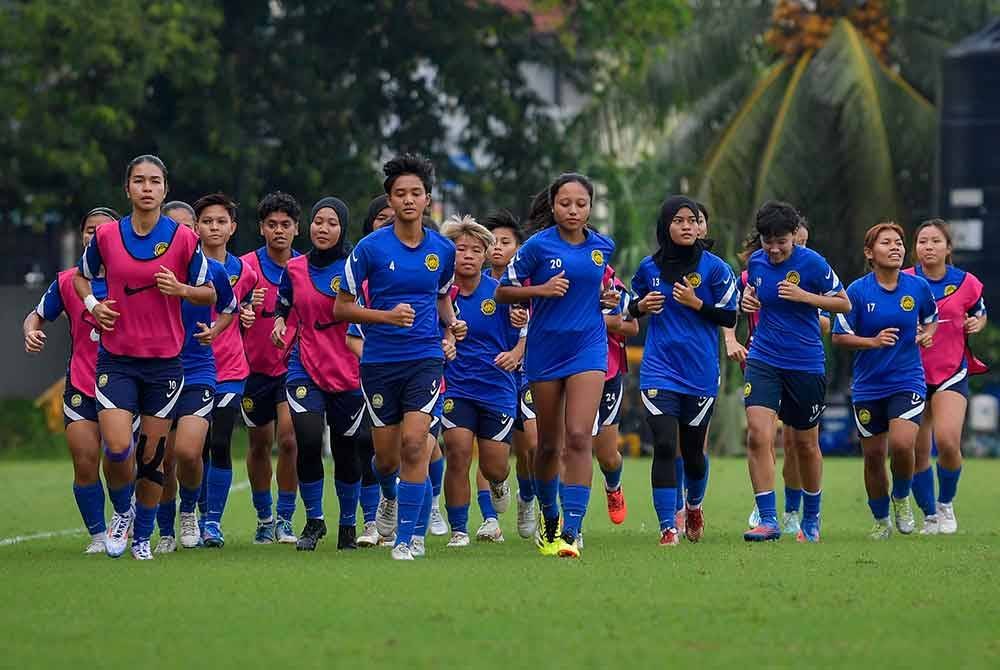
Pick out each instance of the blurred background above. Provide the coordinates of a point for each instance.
(853, 110)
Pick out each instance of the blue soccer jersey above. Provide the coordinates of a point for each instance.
(51, 304)
(398, 274)
(681, 353)
(473, 374)
(788, 334)
(197, 359)
(145, 247)
(880, 373)
(566, 335)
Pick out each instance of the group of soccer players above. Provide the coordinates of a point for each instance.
(494, 339)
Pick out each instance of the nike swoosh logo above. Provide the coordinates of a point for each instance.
(264, 314)
(139, 289)
(324, 326)
(170, 394)
(829, 274)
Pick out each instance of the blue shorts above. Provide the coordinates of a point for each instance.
(484, 422)
(229, 394)
(525, 408)
(261, 397)
(958, 382)
(435, 427)
(77, 405)
(609, 411)
(691, 410)
(872, 417)
(143, 386)
(799, 398)
(195, 400)
(393, 389)
(344, 410)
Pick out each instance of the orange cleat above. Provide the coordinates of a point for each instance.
(694, 524)
(680, 521)
(617, 511)
(669, 538)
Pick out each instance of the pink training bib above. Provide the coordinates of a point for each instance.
(84, 335)
(263, 357)
(230, 356)
(617, 356)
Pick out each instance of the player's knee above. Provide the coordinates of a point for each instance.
(579, 440)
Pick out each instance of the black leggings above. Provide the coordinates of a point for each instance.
(309, 429)
(366, 452)
(667, 432)
(218, 441)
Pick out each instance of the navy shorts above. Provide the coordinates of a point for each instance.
(799, 398)
(525, 408)
(143, 386)
(261, 397)
(484, 422)
(229, 394)
(958, 382)
(393, 389)
(872, 417)
(344, 410)
(609, 411)
(77, 405)
(195, 400)
(691, 410)
(435, 427)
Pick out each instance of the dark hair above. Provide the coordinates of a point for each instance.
(502, 218)
(540, 214)
(100, 211)
(703, 209)
(941, 225)
(177, 204)
(776, 218)
(279, 201)
(413, 164)
(567, 178)
(751, 243)
(871, 236)
(145, 158)
(220, 199)
(374, 207)
(803, 222)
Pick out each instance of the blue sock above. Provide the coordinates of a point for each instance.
(679, 471)
(525, 488)
(348, 495)
(121, 499)
(811, 504)
(901, 488)
(548, 497)
(90, 501)
(947, 483)
(879, 507)
(166, 512)
(312, 499)
(486, 505)
(424, 518)
(411, 497)
(203, 494)
(793, 499)
(767, 505)
(262, 502)
(923, 491)
(458, 518)
(386, 481)
(613, 478)
(219, 482)
(286, 505)
(369, 501)
(145, 517)
(189, 498)
(665, 504)
(436, 472)
(696, 488)
(575, 499)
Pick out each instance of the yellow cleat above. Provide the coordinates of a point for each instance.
(566, 549)
(546, 548)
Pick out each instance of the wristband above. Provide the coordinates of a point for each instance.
(90, 302)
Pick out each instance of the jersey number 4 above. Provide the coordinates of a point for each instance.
(392, 265)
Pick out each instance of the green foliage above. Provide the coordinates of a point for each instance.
(25, 433)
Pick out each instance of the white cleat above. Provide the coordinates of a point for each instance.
(141, 552)
(385, 517)
(579, 540)
(902, 514)
(417, 547)
(401, 552)
(490, 531)
(790, 524)
(190, 533)
(387, 542)
(754, 519)
(438, 526)
(166, 545)
(116, 540)
(931, 525)
(369, 537)
(96, 545)
(527, 518)
(500, 496)
(458, 539)
(882, 530)
(947, 523)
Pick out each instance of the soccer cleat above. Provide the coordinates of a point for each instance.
(566, 548)
(141, 551)
(312, 533)
(500, 496)
(166, 545)
(369, 537)
(190, 534)
(490, 531)
(402, 552)
(882, 530)
(458, 539)
(808, 531)
(547, 543)
(96, 545)
(931, 525)
(764, 532)
(903, 516)
(346, 540)
(387, 542)
(947, 523)
(527, 518)
(790, 523)
(579, 539)
(617, 510)
(385, 517)
(438, 526)
(418, 547)
(116, 539)
(754, 520)
(212, 536)
(680, 521)
(265, 532)
(669, 538)
(694, 523)
(283, 532)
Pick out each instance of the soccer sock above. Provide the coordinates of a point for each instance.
(166, 512)
(369, 501)
(286, 505)
(203, 495)
(219, 482)
(811, 504)
(679, 469)
(793, 500)
(424, 518)
(458, 518)
(768, 507)
(613, 478)
(145, 517)
(901, 488)
(348, 495)
(879, 507)
(525, 488)
(90, 501)
(923, 491)
(262, 502)
(312, 499)
(696, 488)
(121, 499)
(665, 504)
(486, 505)
(436, 472)
(387, 482)
(947, 484)
(189, 499)
(575, 498)
(548, 494)
(411, 497)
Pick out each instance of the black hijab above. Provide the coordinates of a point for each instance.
(323, 257)
(675, 261)
(374, 207)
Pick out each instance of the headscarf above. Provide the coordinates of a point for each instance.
(374, 207)
(323, 257)
(675, 261)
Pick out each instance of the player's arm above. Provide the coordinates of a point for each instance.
(201, 290)
(446, 313)
(346, 308)
(34, 337)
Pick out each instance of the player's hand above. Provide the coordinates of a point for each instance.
(507, 361)
(204, 334)
(168, 283)
(105, 315)
(401, 315)
(34, 341)
(652, 303)
(610, 297)
(247, 316)
(924, 338)
(278, 333)
(974, 324)
(555, 287)
(459, 329)
(750, 304)
(684, 294)
(518, 316)
(448, 347)
(792, 292)
(258, 297)
(735, 351)
(886, 338)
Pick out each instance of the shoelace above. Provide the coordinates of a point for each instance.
(119, 526)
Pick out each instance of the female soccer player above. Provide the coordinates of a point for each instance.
(151, 265)
(323, 383)
(265, 409)
(785, 375)
(892, 315)
(79, 405)
(409, 270)
(679, 376)
(948, 362)
(565, 264)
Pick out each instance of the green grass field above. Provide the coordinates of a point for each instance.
(912, 602)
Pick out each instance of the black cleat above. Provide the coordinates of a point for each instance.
(310, 536)
(345, 538)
